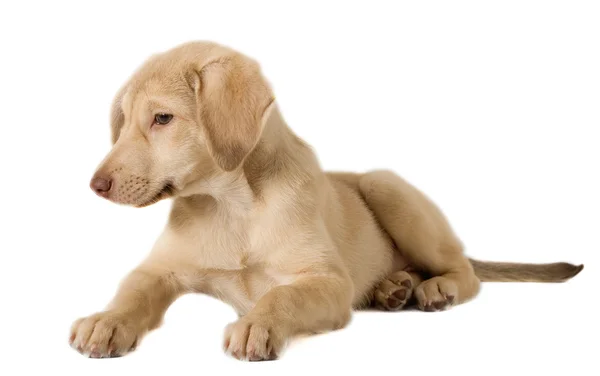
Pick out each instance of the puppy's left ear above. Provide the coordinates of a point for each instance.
(233, 101)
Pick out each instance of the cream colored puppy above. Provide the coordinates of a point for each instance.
(257, 223)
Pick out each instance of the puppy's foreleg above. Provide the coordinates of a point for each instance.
(310, 304)
(139, 305)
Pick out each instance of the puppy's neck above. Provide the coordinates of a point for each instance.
(279, 159)
(225, 190)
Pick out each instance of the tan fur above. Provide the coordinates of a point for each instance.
(257, 223)
(513, 272)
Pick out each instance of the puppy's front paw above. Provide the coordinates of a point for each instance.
(248, 339)
(105, 334)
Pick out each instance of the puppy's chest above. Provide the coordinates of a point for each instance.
(242, 288)
(235, 259)
(241, 272)
(233, 244)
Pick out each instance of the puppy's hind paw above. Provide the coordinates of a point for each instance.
(394, 292)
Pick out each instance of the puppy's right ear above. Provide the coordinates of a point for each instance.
(117, 117)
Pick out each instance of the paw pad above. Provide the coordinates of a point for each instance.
(394, 292)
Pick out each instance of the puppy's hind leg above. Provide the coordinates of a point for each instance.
(396, 290)
(423, 235)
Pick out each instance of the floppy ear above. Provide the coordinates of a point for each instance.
(232, 99)
(117, 118)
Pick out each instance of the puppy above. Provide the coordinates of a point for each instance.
(255, 221)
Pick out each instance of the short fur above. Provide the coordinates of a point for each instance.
(257, 223)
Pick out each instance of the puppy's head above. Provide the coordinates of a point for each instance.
(189, 113)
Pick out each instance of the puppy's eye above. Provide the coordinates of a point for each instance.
(162, 119)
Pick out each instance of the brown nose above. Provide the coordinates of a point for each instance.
(101, 185)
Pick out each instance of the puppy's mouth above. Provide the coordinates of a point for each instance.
(168, 190)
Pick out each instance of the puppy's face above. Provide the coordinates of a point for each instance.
(190, 113)
(157, 145)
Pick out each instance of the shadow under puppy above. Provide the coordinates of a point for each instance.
(255, 221)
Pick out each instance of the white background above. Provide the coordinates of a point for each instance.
(491, 108)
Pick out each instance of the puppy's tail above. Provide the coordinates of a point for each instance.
(516, 272)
